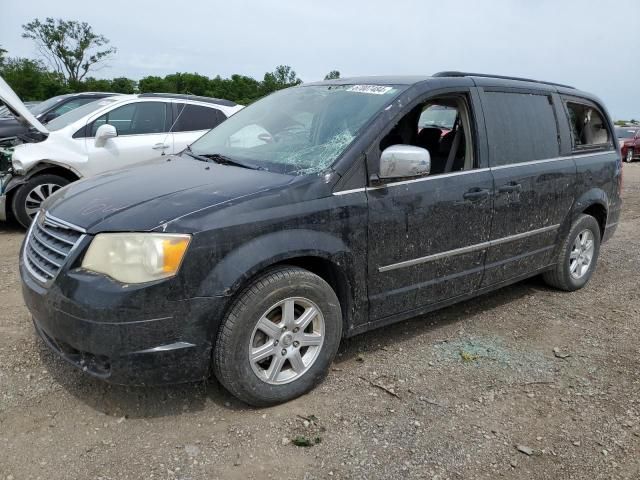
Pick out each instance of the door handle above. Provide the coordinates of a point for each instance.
(476, 194)
(509, 188)
(160, 146)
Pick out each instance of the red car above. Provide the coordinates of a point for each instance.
(629, 138)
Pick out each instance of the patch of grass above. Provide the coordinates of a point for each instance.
(302, 441)
(467, 356)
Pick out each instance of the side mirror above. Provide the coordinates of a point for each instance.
(104, 133)
(399, 161)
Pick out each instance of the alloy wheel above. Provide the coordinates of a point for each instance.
(38, 195)
(286, 340)
(581, 254)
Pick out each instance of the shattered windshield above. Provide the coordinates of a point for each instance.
(297, 131)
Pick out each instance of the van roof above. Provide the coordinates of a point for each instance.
(457, 79)
(413, 79)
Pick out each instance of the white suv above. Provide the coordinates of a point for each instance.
(107, 134)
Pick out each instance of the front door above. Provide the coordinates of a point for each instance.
(143, 134)
(428, 236)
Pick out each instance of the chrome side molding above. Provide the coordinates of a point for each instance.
(469, 249)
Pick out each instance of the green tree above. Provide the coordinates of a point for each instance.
(190, 83)
(123, 85)
(152, 84)
(91, 84)
(70, 47)
(332, 75)
(31, 80)
(282, 77)
(2, 53)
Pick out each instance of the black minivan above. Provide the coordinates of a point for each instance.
(317, 213)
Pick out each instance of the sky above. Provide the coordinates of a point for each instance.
(591, 44)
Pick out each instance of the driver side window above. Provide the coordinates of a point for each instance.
(442, 126)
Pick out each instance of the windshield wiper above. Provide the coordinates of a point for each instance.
(219, 158)
(190, 152)
(224, 160)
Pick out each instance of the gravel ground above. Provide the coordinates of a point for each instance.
(527, 382)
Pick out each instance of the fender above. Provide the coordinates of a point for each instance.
(595, 196)
(17, 180)
(258, 254)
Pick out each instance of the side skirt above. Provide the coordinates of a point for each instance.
(445, 303)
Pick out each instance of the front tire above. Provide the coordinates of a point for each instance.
(29, 196)
(577, 257)
(279, 337)
(629, 156)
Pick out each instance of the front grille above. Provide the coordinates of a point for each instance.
(48, 245)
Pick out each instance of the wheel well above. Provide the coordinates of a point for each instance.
(598, 212)
(55, 170)
(330, 273)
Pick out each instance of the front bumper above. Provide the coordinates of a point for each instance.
(4, 181)
(95, 328)
(3, 207)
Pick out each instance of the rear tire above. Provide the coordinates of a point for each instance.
(629, 156)
(577, 257)
(29, 196)
(265, 353)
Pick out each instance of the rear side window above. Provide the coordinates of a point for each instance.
(197, 117)
(588, 128)
(521, 127)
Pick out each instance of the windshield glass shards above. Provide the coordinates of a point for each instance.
(297, 131)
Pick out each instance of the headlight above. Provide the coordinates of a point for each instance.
(17, 166)
(136, 257)
(621, 143)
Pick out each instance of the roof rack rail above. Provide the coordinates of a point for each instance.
(217, 101)
(502, 77)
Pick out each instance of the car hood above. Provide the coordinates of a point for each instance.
(155, 194)
(18, 109)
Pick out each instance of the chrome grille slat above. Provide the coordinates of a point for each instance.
(36, 249)
(44, 243)
(58, 237)
(35, 263)
(48, 245)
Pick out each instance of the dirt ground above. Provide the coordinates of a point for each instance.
(527, 382)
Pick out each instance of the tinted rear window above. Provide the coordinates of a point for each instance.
(197, 117)
(521, 127)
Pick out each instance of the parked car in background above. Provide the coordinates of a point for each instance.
(48, 110)
(107, 134)
(314, 214)
(629, 140)
(4, 111)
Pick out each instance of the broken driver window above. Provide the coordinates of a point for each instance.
(441, 126)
